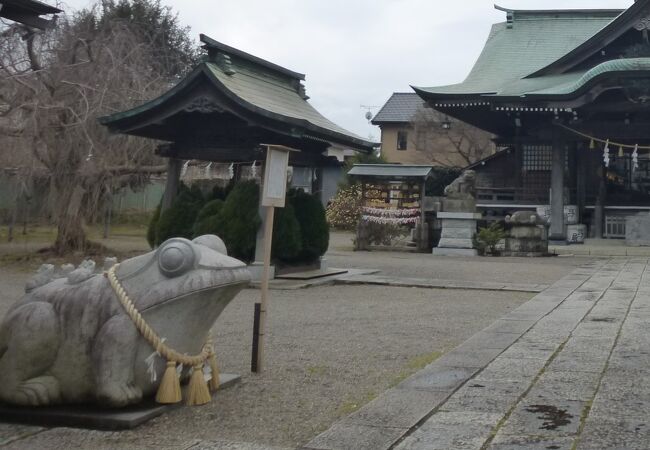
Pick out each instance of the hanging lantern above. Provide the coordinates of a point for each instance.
(592, 145)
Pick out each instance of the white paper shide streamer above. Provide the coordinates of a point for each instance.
(391, 216)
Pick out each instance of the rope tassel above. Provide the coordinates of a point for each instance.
(198, 392)
(169, 390)
(214, 368)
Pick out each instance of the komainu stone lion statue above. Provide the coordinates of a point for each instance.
(70, 339)
(463, 187)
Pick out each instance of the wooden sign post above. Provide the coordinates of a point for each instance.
(274, 191)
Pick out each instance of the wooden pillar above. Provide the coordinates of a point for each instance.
(557, 232)
(581, 179)
(174, 167)
(424, 230)
(259, 239)
(599, 212)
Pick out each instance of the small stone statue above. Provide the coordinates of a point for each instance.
(71, 340)
(463, 187)
(527, 236)
(525, 218)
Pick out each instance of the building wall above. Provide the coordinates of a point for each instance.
(435, 150)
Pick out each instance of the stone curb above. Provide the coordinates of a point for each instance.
(379, 280)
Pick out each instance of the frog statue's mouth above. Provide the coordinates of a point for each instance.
(183, 282)
(180, 270)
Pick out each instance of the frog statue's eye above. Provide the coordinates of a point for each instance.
(176, 257)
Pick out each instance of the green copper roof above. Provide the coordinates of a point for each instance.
(260, 90)
(273, 97)
(528, 42)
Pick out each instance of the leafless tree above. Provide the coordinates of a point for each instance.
(458, 145)
(54, 85)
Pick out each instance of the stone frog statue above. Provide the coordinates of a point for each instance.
(70, 340)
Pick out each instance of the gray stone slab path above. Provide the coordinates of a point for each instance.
(569, 369)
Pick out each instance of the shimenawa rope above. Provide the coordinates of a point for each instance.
(169, 390)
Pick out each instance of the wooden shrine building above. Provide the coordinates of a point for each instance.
(567, 95)
(226, 107)
(29, 12)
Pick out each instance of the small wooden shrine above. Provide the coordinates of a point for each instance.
(392, 195)
(226, 107)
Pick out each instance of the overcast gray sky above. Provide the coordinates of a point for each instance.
(357, 52)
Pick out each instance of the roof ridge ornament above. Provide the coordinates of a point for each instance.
(643, 24)
(225, 63)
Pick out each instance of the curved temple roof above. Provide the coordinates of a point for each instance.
(538, 54)
(257, 88)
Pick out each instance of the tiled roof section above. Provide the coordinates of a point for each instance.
(531, 41)
(390, 171)
(400, 108)
(275, 97)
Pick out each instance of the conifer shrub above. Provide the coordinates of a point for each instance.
(287, 235)
(206, 219)
(238, 220)
(153, 227)
(313, 225)
(178, 220)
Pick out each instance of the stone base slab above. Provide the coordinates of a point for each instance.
(441, 251)
(93, 417)
(637, 230)
(256, 270)
(455, 243)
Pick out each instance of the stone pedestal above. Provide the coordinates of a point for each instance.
(458, 229)
(637, 230)
(526, 240)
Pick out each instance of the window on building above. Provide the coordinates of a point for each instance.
(538, 157)
(402, 140)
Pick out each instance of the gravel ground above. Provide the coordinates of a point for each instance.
(330, 350)
(420, 265)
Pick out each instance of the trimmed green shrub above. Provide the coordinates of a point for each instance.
(221, 193)
(287, 236)
(206, 219)
(178, 220)
(153, 227)
(313, 225)
(238, 220)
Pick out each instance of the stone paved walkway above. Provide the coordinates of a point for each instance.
(569, 369)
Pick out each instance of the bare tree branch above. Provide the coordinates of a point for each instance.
(458, 146)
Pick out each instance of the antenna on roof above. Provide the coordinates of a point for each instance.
(369, 115)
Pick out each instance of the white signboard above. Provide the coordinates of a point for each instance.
(275, 176)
